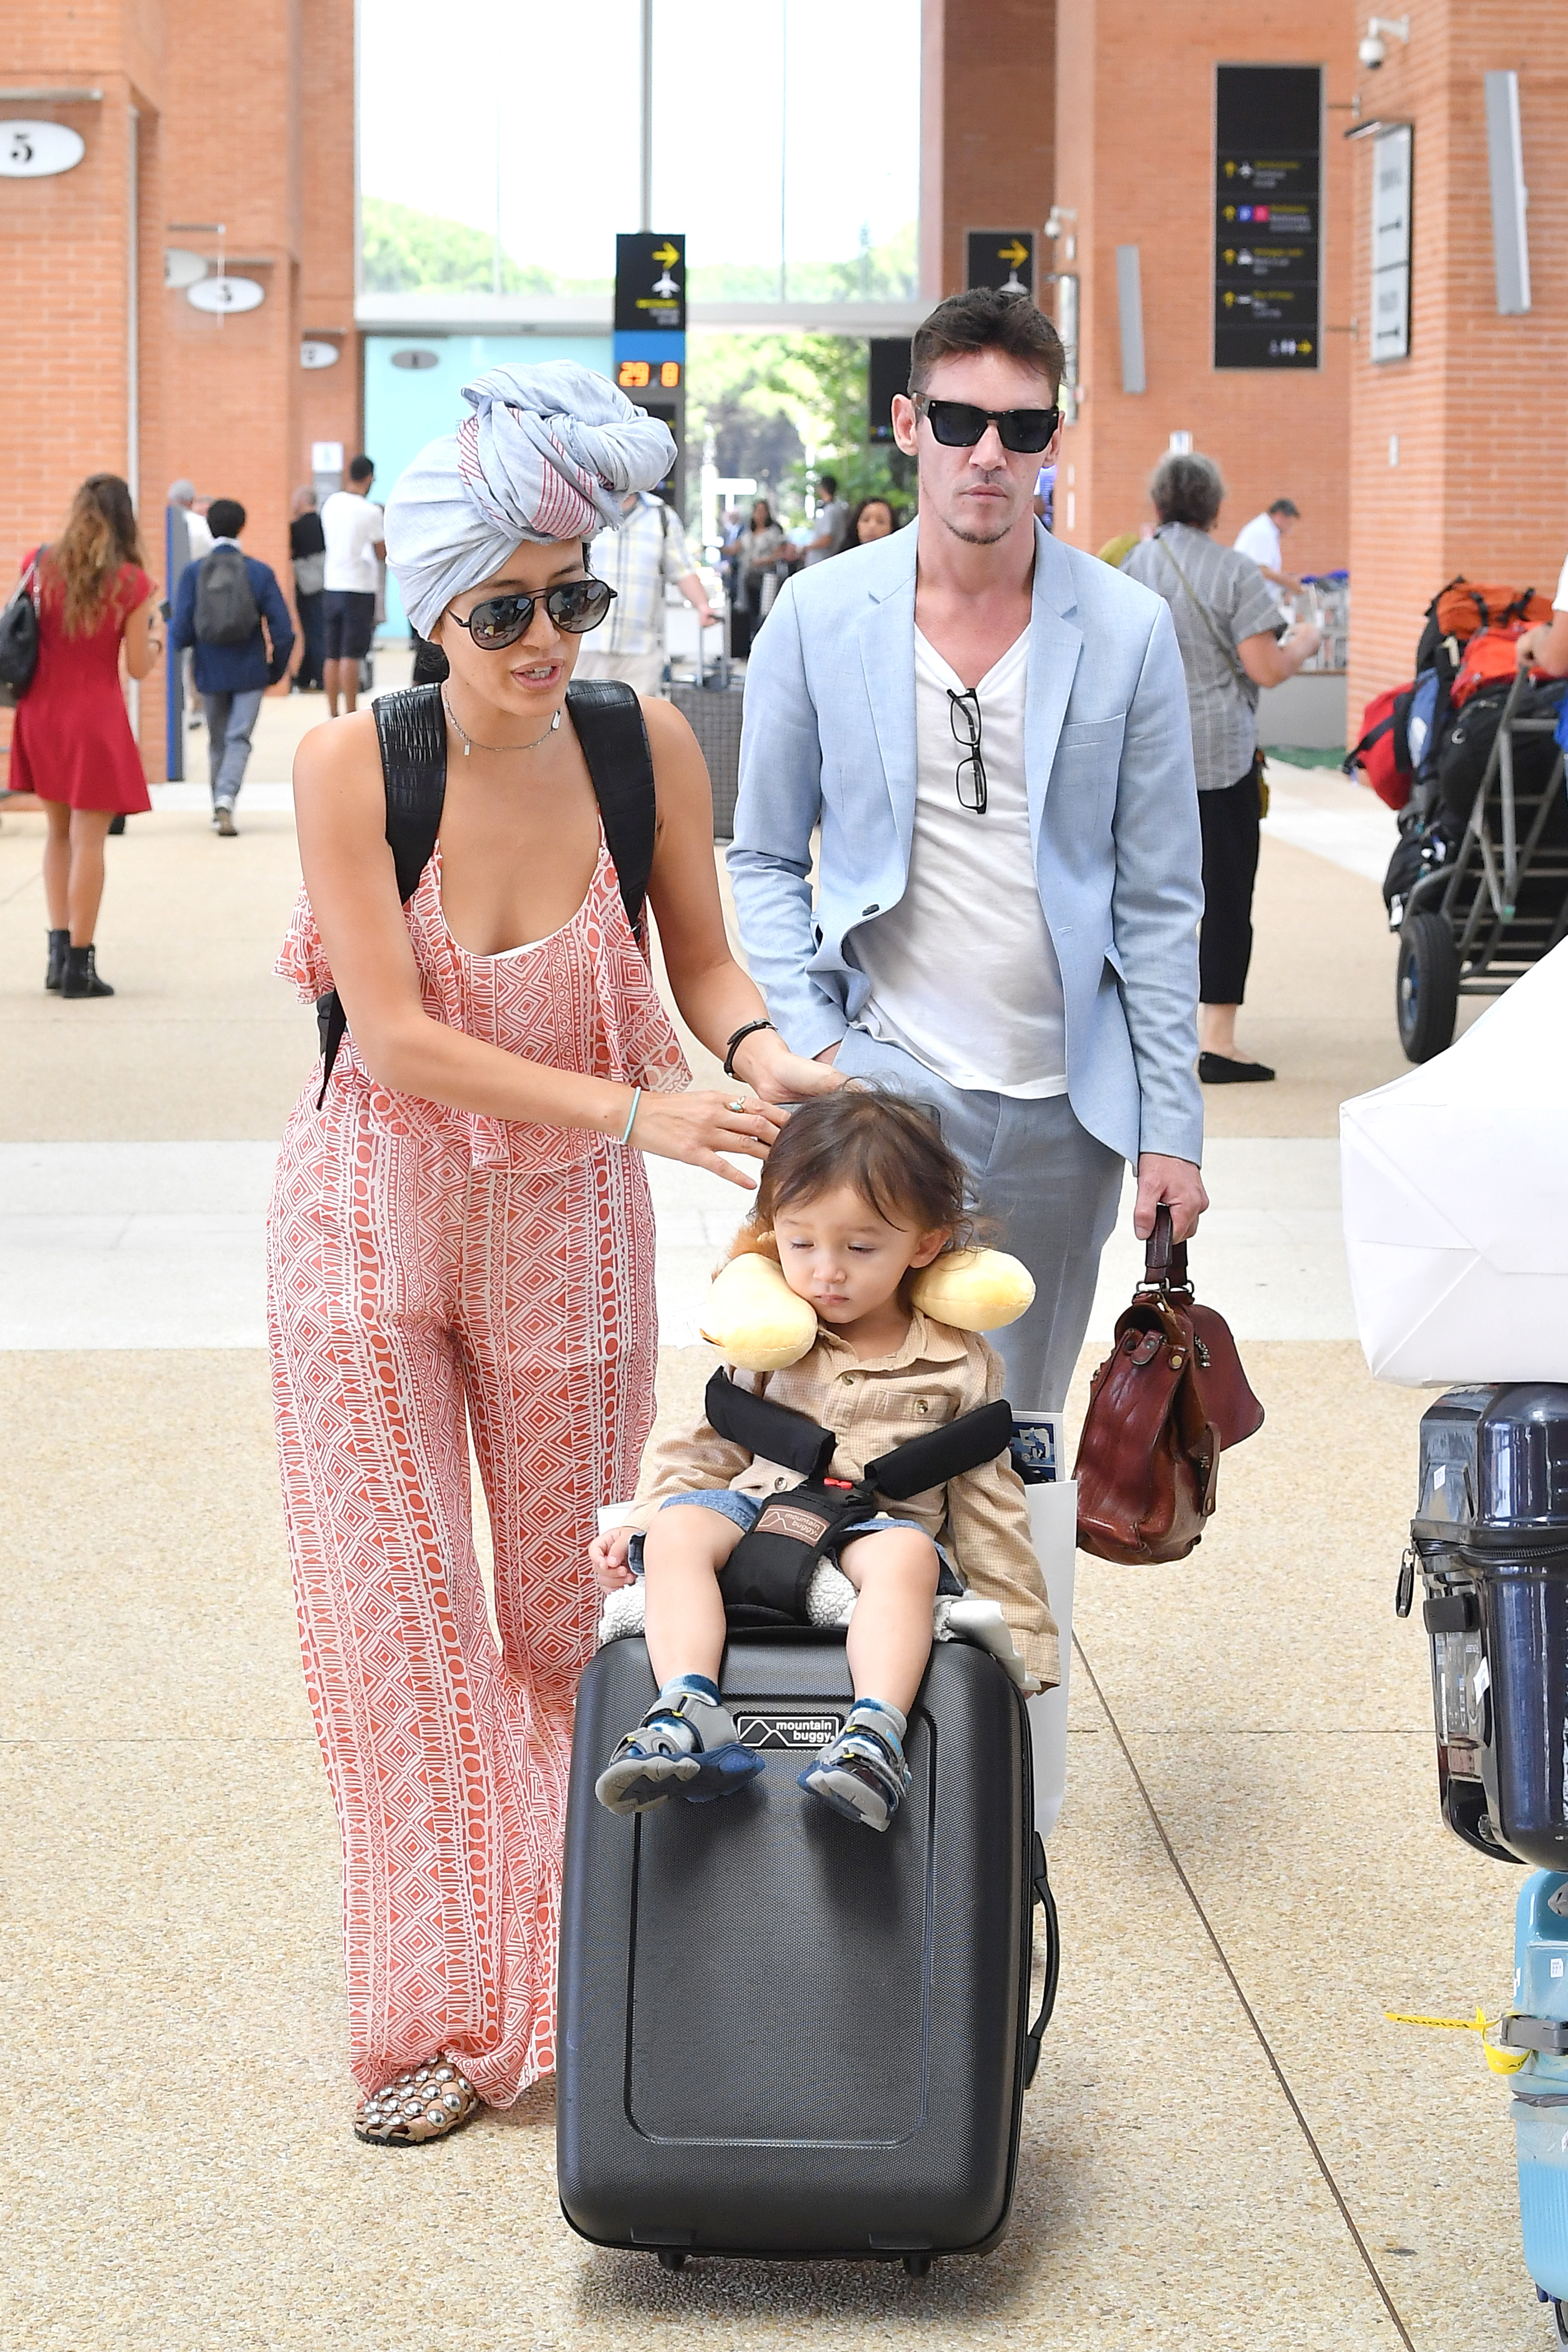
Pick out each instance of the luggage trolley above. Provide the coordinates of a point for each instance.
(1474, 920)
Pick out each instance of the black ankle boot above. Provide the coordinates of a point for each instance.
(82, 974)
(59, 943)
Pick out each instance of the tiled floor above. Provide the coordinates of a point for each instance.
(1227, 2148)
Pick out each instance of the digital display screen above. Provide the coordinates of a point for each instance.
(636, 375)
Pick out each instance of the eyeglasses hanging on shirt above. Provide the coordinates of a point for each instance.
(971, 776)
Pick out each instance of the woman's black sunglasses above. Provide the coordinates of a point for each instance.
(576, 606)
(958, 426)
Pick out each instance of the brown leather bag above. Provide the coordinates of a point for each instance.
(1167, 1401)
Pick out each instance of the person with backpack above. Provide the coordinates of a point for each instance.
(231, 609)
(72, 744)
(461, 1233)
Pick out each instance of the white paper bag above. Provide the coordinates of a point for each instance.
(1053, 1530)
(1455, 1199)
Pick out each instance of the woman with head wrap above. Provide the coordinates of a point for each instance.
(461, 1235)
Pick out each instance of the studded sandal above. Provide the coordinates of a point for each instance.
(426, 2104)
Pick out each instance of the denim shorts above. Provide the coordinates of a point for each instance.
(746, 1511)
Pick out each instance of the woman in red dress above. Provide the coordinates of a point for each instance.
(72, 744)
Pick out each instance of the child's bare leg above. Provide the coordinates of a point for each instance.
(683, 1552)
(895, 1573)
(861, 1772)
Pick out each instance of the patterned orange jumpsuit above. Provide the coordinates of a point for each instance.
(431, 1271)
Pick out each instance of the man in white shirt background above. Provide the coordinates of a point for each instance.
(1263, 540)
(354, 530)
(829, 522)
(649, 548)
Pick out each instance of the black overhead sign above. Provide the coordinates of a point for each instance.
(1267, 209)
(888, 374)
(650, 284)
(1002, 257)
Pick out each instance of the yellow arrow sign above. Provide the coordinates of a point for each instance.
(1013, 254)
(666, 254)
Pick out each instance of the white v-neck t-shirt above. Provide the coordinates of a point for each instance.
(964, 974)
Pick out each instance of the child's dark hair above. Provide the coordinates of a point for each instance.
(885, 1148)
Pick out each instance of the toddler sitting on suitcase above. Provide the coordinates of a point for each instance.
(858, 1193)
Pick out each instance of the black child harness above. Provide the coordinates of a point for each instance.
(412, 727)
(765, 1581)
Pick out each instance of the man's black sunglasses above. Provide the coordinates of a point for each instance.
(958, 426)
(576, 606)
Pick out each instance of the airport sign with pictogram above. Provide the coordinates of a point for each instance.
(650, 284)
(1003, 258)
(1267, 203)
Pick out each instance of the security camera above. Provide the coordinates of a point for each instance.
(1373, 49)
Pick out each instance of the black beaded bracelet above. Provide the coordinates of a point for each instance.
(739, 1038)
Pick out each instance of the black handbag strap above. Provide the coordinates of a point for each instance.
(411, 728)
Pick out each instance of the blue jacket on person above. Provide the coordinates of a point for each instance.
(236, 669)
(827, 747)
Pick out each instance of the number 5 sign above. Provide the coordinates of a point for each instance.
(36, 150)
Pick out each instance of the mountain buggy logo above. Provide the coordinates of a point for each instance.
(800, 1734)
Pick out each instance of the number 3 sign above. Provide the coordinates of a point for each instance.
(35, 151)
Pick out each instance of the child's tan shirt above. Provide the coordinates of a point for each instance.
(872, 1404)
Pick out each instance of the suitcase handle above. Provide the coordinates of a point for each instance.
(1040, 1884)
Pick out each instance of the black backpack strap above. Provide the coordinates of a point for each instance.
(411, 728)
(608, 718)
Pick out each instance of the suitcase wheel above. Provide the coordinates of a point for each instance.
(918, 2266)
(672, 2258)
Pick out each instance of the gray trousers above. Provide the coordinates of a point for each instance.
(1050, 1188)
(231, 718)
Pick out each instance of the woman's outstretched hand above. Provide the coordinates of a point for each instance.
(698, 1126)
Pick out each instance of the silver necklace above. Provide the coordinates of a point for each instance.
(470, 745)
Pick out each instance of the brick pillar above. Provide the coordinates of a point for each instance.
(987, 128)
(1478, 407)
(1135, 129)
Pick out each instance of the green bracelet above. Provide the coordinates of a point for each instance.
(636, 1097)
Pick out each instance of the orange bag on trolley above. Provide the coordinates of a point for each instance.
(1491, 659)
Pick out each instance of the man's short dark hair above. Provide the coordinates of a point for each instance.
(828, 482)
(1186, 488)
(984, 321)
(1285, 506)
(226, 518)
(360, 469)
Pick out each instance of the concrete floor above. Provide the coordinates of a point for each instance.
(1227, 2147)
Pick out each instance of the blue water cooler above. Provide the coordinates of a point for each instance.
(1537, 2022)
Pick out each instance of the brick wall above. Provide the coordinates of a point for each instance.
(1478, 407)
(1135, 96)
(988, 127)
(255, 129)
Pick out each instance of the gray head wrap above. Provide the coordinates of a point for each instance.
(548, 453)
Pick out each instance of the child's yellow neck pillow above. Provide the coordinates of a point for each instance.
(758, 1323)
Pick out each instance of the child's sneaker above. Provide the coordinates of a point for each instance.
(685, 1746)
(862, 1773)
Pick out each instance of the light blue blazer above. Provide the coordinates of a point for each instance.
(828, 740)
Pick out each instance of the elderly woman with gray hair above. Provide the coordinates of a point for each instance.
(1226, 625)
(461, 1235)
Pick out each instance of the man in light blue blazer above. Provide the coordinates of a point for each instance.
(989, 732)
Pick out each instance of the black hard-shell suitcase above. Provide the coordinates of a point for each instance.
(780, 2033)
(1490, 1540)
